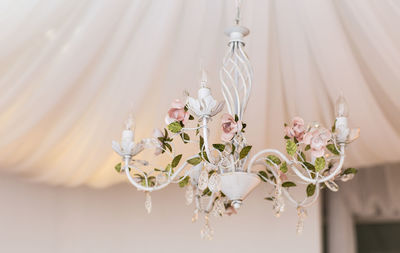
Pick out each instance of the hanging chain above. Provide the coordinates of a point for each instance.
(238, 5)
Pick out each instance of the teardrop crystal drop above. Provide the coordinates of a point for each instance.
(206, 232)
(214, 183)
(347, 177)
(189, 195)
(278, 204)
(218, 208)
(195, 216)
(301, 214)
(203, 180)
(332, 185)
(147, 203)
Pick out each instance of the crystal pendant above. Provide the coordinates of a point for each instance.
(206, 232)
(219, 208)
(301, 214)
(278, 203)
(195, 216)
(147, 202)
(203, 180)
(189, 195)
(161, 178)
(214, 183)
(332, 185)
(347, 177)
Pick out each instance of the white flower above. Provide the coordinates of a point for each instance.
(205, 104)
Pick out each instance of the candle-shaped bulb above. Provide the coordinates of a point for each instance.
(129, 123)
(341, 107)
(203, 81)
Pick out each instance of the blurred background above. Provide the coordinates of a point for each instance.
(72, 71)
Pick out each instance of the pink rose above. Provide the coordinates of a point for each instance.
(229, 127)
(282, 176)
(317, 138)
(296, 129)
(177, 113)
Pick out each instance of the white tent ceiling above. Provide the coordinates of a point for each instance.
(72, 71)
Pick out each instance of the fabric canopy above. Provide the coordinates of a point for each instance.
(72, 71)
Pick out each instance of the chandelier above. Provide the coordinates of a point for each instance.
(221, 175)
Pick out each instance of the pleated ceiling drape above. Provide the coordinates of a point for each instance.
(72, 71)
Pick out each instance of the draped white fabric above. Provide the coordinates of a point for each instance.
(72, 71)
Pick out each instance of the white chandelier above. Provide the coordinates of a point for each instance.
(220, 176)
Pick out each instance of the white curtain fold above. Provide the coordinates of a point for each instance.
(72, 71)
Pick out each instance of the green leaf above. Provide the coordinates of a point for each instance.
(291, 147)
(169, 168)
(243, 153)
(201, 143)
(205, 156)
(284, 167)
(288, 184)
(206, 192)
(310, 190)
(350, 171)
(176, 161)
(334, 127)
(319, 164)
(191, 117)
(168, 146)
(287, 137)
(331, 147)
(301, 157)
(262, 175)
(175, 127)
(194, 161)
(273, 159)
(236, 118)
(309, 166)
(244, 125)
(197, 130)
(269, 198)
(184, 182)
(220, 147)
(117, 167)
(185, 138)
(308, 147)
(233, 149)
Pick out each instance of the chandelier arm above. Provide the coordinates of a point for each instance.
(313, 199)
(265, 151)
(154, 188)
(286, 192)
(298, 173)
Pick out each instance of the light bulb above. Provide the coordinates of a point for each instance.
(130, 123)
(341, 107)
(203, 80)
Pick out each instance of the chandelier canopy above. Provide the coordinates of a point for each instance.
(221, 175)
